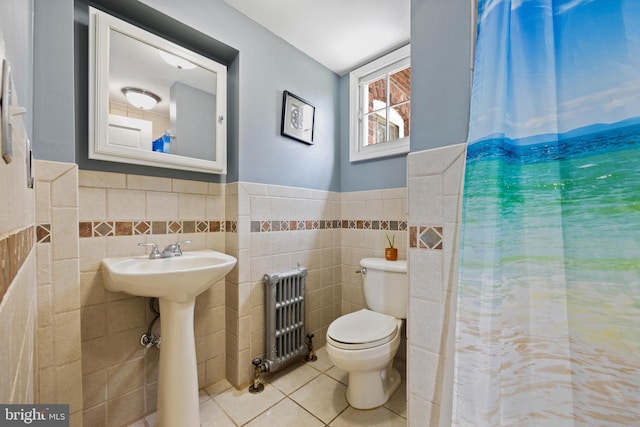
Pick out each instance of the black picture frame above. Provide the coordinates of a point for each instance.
(298, 118)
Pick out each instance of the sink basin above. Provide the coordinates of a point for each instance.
(176, 282)
(180, 278)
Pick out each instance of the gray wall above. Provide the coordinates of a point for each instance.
(266, 66)
(441, 47)
(53, 81)
(441, 51)
(16, 23)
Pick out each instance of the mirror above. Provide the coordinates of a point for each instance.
(183, 123)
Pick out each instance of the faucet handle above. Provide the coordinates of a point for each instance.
(155, 252)
(178, 249)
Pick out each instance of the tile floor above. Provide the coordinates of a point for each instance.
(301, 395)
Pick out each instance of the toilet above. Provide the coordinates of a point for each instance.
(364, 342)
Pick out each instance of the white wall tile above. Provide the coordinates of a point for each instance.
(419, 411)
(125, 204)
(261, 244)
(189, 187)
(88, 178)
(50, 171)
(280, 209)
(66, 333)
(453, 177)
(66, 285)
(59, 292)
(215, 207)
(434, 161)
(64, 190)
(93, 250)
(253, 188)
(151, 183)
(426, 268)
(43, 264)
(260, 208)
(43, 202)
(161, 206)
(435, 178)
(374, 209)
(279, 191)
(425, 200)
(216, 189)
(64, 232)
(281, 242)
(118, 246)
(423, 371)
(425, 326)
(393, 209)
(92, 204)
(299, 209)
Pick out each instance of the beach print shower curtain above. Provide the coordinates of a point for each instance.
(548, 321)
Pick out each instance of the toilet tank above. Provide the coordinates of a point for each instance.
(386, 286)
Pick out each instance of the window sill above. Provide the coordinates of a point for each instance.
(382, 150)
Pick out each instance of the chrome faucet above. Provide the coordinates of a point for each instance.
(170, 251)
(155, 253)
(174, 249)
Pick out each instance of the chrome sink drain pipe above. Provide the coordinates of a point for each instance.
(148, 339)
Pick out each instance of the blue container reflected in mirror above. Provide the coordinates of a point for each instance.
(162, 144)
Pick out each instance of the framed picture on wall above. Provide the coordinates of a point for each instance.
(298, 118)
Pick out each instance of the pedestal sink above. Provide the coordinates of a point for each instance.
(176, 282)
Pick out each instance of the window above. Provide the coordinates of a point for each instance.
(380, 107)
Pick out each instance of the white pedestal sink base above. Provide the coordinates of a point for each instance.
(173, 281)
(178, 401)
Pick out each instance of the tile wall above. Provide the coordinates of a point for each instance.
(116, 212)
(326, 232)
(58, 328)
(372, 216)
(279, 228)
(435, 183)
(18, 309)
(90, 355)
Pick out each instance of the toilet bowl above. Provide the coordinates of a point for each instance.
(364, 343)
(368, 360)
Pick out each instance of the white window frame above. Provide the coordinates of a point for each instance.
(357, 79)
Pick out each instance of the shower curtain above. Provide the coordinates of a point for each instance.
(548, 321)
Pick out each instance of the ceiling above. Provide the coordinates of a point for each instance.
(340, 34)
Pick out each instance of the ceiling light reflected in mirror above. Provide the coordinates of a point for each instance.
(176, 61)
(141, 98)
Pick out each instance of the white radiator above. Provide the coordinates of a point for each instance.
(284, 310)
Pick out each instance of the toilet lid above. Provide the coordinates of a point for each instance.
(363, 327)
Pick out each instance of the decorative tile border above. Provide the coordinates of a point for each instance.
(144, 227)
(14, 250)
(328, 224)
(43, 233)
(425, 237)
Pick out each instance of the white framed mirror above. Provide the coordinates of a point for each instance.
(184, 124)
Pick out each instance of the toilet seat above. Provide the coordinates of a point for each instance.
(362, 329)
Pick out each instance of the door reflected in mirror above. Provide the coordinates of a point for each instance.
(154, 102)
